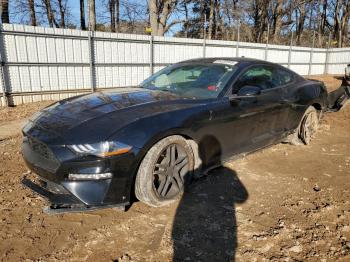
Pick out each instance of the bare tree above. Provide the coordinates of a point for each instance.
(322, 22)
(259, 10)
(203, 17)
(159, 13)
(92, 15)
(211, 19)
(153, 16)
(277, 21)
(4, 11)
(185, 6)
(117, 15)
(300, 14)
(82, 15)
(62, 10)
(111, 4)
(341, 21)
(32, 13)
(218, 20)
(50, 14)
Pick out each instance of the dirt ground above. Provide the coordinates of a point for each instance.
(285, 203)
(332, 82)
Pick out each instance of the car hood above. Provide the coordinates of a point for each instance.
(97, 116)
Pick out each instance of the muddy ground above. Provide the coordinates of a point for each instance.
(284, 203)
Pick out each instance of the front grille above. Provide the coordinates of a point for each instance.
(40, 148)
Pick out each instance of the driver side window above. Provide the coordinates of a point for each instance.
(260, 76)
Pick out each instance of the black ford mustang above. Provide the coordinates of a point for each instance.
(96, 150)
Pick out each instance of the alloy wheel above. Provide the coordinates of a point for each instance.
(169, 173)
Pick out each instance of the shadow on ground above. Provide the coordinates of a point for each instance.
(205, 226)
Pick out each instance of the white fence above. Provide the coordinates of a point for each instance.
(43, 63)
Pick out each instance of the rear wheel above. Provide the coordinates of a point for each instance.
(307, 128)
(164, 172)
(309, 125)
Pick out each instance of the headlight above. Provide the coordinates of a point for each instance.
(103, 149)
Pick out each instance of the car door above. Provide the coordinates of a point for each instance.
(243, 123)
(286, 82)
(231, 121)
(264, 114)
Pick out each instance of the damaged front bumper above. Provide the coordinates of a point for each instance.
(337, 99)
(61, 200)
(66, 195)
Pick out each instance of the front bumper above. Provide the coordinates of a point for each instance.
(53, 168)
(61, 200)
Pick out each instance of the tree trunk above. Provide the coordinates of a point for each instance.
(300, 23)
(117, 16)
(4, 11)
(203, 18)
(62, 14)
(278, 21)
(186, 19)
(49, 14)
(211, 19)
(345, 22)
(159, 12)
(82, 15)
(32, 13)
(262, 22)
(92, 15)
(260, 9)
(311, 14)
(112, 14)
(229, 19)
(153, 16)
(218, 21)
(337, 29)
(322, 23)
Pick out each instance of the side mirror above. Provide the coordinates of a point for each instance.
(249, 91)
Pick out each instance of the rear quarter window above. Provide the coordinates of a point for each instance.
(282, 77)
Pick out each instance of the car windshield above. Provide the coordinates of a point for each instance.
(203, 81)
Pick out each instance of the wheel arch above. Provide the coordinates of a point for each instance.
(317, 106)
(145, 162)
(190, 137)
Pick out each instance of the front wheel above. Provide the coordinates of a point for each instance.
(164, 171)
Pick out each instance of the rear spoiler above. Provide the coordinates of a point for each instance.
(339, 97)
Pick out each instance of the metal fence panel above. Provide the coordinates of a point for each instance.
(338, 59)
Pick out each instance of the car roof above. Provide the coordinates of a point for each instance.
(246, 60)
(243, 62)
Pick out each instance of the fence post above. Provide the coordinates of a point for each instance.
(327, 55)
(238, 36)
(151, 55)
(3, 78)
(267, 41)
(92, 61)
(311, 54)
(290, 51)
(204, 35)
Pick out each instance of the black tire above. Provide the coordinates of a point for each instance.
(309, 125)
(165, 171)
(306, 129)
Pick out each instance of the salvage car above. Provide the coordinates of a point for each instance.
(99, 150)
